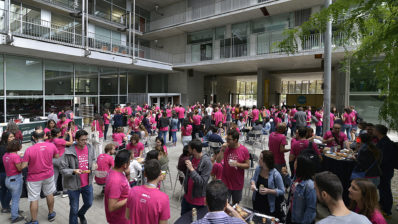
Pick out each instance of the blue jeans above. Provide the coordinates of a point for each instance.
(292, 129)
(14, 185)
(318, 130)
(163, 134)
(186, 207)
(106, 131)
(174, 136)
(5, 194)
(347, 129)
(87, 195)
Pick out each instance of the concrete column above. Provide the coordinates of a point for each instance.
(340, 87)
(268, 88)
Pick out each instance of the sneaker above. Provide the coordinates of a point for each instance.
(5, 210)
(56, 194)
(32, 222)
(83, 220)
(19, 218)
(20, 212)
(51, 217)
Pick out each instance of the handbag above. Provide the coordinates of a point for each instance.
(95, 135)
(281, 208)
(358, 174)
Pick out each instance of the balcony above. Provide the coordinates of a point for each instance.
(193, 13)
(255, 46)
(71, 35)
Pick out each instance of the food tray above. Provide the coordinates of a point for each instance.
(250, 213)
(257, 218)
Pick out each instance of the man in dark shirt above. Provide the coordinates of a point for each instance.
(389, 153)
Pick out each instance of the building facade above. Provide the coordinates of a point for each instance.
(108, 52)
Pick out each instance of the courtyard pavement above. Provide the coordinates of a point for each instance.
(96, 213)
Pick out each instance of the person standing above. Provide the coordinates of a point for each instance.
(292, 120)
(389, 158)
(105, 162)
(39, 160)
(98, 125)
(276, 144)
(117, 189)
(236, 160)
(255, 114)
(146, 204)
(301, 118)
(347, 119)
(5, 194)
(14, 181)
(107, 117)
(76, 165)
(319, 124)
(197, 175)
(181, 115)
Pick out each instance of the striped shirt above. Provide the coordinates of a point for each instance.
(219, 217)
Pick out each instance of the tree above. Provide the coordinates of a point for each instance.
(373, 26)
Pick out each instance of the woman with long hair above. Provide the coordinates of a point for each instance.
(98, 125)
(186, 132)
(49, 126)
(347, 119)
(364, 200)
(13, 128)
(5, 194)
(107, 118)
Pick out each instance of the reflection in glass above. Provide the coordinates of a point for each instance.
(59, 78)
(137, 83)
(109, 81)
(26, 107)
(86, 80)
(58, 103)
(123, 83)
(108, 102)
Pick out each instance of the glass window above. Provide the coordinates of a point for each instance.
(291, 87)
(285, 87)
(58, 103)
(123, 83)
(305, 87)
(123, 99)
(363, 78)
(298, 87)
(26, 107)
(59, 78)
(118, 15)
(103, 9)
(157, 83)
(2, 110)
(240, 29)
(200, 36)
(24, 76)
(108, 102)
(319, 86)
(120, 3)
(367, 106)
(220, 33)
(109, 81)
(312, 87)
(137, 83)
(1, 76)
(62, 28)
(86, 82)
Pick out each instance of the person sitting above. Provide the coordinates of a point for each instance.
(135, 146)
(135, 169)
(267, 185)
(119, 138)
(267, 127)
(336, 137)
(329, 192)
(216, 201)
(364, 200)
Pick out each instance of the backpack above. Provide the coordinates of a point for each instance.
(396, 155)
(314, 157)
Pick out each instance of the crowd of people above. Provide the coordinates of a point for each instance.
(65, 159)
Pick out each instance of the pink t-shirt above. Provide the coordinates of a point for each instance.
(299, 145)
(116, 187)
(341, 139)
(168, 112)
(65, 124)
(218, 117)
(9, 161)
(165, 149)
(255, 114)
(147, 205)
(186, 131)
(105, 162)
(137, 149)
(292, 113)
(318, 116)
(348, 118)
(181, 113)
(233, 177)
(60, 143)
(106, 118)
(99, 128)
(197, 119)
(82, 157)
(274, 143)
(118, 137)
(217, 170)
(40, 159)
(354, 117)
(138, 108)
(331, 120)
(188, 196)
(47, 132)
(128, 111)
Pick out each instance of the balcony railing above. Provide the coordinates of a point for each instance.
(266, 43)
(69, 4)
(195, 13)
(70, 34)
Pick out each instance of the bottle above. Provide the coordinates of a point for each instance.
(194, 215)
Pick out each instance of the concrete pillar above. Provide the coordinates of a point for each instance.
(268, 88)
(340, 87)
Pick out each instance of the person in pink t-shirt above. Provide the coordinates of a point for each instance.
(255, 113)
(63, 123)
(39, 160)
(299, 145)
(347, 119)
(14, 180)
(318, 125)
(47, 130)
(117, 189)
(218, 117)
(105, 162)
(336, 137)
(107, 118)
(276, 144)
(135, 146)
(364, 200)
(119, 137)
(186, 132)
(146, 204)
(236, 160)
(98, 125)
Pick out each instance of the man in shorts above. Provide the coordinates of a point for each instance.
(39, 160)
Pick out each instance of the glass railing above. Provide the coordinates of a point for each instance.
(196, 13)
(70, 34)
(70, 4)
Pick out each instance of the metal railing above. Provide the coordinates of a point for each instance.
(70, 4)
(195, 13)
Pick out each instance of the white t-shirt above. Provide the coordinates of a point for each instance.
(135, 168)
(352, 218)
(209, 110)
